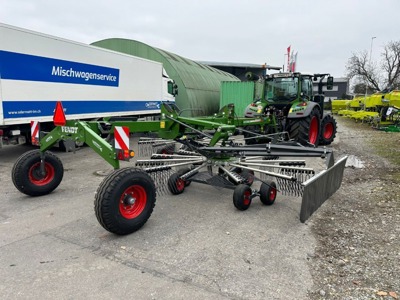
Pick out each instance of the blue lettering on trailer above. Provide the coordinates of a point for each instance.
(24, 109)
(18, 66)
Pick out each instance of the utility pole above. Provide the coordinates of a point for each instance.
(369, 62)
(370, 52)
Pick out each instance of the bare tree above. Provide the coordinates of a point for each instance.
(360, 69)
(376, 77)
(391, 63)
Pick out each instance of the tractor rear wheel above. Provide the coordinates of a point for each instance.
(306, 130)
(268, 193)
(28, 178)
(328, 130)
(125, 200)
(242, 197)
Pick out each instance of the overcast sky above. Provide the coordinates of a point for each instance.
(324, 33)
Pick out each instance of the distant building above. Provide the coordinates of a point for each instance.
(340, 85)
(239, 69)
(340, 88)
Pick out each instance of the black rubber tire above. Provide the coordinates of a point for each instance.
(299, 129)
(116, 216)
(27, 179)
(167, 150)
(175, 184)
(328, 130)
(241, 197)
(268, 192)
(247, 174)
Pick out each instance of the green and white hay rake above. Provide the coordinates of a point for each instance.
(210, 153)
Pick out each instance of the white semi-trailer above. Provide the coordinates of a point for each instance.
(37, 70)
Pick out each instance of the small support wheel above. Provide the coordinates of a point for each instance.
(29, 178)
(125, 200)
(167, 150)
(268, 193)
(176, 185)
(242, 197)
(184, 171)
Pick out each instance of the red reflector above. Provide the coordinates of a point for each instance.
(59, 116)
(120, 155)
(1, 132)
(124, 154)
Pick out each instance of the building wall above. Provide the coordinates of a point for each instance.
(340, 88)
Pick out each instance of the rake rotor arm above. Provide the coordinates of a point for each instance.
(274, 174)
(274, 150)
(222, 131)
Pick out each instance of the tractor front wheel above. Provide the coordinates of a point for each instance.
(30, 178)
(125, 200)
(242, 197)
(328, 130)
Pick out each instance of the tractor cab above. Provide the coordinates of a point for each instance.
(281, 91)
(284, 88)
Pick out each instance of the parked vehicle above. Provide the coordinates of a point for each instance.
(289, 97)
(37, 70)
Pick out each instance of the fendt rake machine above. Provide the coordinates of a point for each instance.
(210, 152)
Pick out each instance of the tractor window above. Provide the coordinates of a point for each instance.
(307, 87)
(281, 89)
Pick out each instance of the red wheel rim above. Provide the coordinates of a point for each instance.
(180, 184)
(313, 132)
(328, 131)
(36, 178)
(272, 194)
(139, 197)
(246, 198)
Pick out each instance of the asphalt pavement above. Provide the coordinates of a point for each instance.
(196, 245)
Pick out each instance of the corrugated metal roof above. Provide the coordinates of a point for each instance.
(198, 85)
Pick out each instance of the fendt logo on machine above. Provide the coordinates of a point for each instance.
(72, 130)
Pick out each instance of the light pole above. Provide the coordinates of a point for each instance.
(370, 58)
(370, 52)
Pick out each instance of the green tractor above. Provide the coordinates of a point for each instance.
(299, 113)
